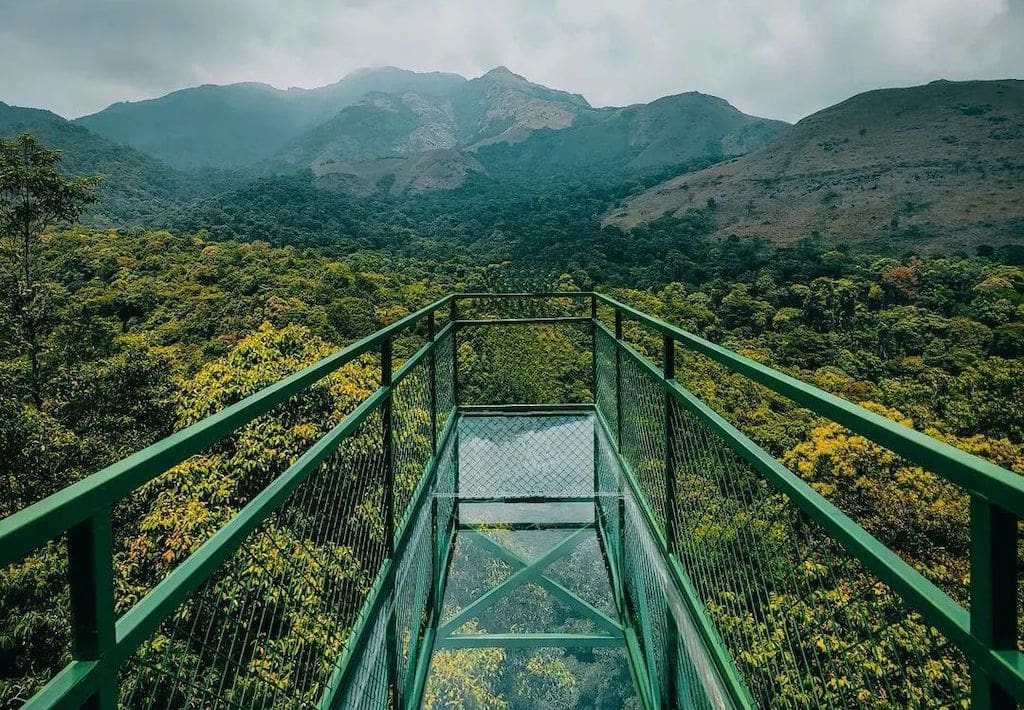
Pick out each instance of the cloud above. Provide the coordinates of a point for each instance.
(778, 58)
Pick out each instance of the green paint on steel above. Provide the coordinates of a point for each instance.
(100, 643)
(720, 656)
(567, 596)
(517, 579)
(26, 530)
(528, 641)
(973, 473)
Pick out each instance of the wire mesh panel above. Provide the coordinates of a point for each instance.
(606, 397)
(643, 431)
(645, 600)
(412, 589)
(411, 432)
(524, 364)
(369, 689)
(522, 456)
(673, 654)
(524, 306)
(35, 633)
(268, 627)
(807, 624)
(444, 365)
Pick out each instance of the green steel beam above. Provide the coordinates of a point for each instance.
(453, 315)
(637, 668)
(528, 641)
(526, 410)
(70, 688)
(344, 667)
(517, 579)
(549, 320)
(414, 696)
(481, 500)
(994, 618)
(527, 525)
(973, 473)
(476, 296)
(388, 446)
(432, 379)
(997, 504)
(91, 575)
(557, 590)
(934, 605)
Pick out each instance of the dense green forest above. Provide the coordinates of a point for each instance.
(142, 332)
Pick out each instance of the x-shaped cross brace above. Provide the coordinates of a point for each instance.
(529, 572)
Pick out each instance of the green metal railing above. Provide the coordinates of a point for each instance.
(325, 588)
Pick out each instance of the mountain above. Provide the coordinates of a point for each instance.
(238, 124)
(939, 166)
(135, 187)
(503, 124)
(670, 131)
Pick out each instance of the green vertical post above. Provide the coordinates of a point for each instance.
(431, 335)
(993, 594)
(669, 372)
(387, 409)
(453, 317)
(434, 602)
(668, 352)
(618, 379)
(593, 348)
(91, 577)
(627, 618)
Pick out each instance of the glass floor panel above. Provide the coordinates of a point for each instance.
(529, 617)
(483, 560)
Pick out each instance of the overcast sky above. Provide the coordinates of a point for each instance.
(776, 58)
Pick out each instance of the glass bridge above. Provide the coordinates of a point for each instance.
(531, 510)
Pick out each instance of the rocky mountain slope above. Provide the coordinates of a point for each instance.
(501, 123)
(670, 131)
(934, 166)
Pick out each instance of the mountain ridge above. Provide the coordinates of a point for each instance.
(938, 164)
(234, 125)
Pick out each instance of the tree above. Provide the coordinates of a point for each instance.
(34, 196)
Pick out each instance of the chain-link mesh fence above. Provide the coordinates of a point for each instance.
(806, 624)
(267, 628)
(526, 456)
(524, 364)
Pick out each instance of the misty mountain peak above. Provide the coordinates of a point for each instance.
(503, 73)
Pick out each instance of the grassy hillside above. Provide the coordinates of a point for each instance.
(932, 167)
(136, 187)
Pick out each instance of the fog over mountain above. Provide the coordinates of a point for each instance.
(774, 58)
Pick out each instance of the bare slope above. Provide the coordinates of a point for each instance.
(934, 166)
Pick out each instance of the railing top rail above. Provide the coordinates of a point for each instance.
(25, 530)
(983, 478)
(538, 294)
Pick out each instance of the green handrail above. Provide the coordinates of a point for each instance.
(968, 471)
(83, 511)
(987, 634)
(25, 530)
